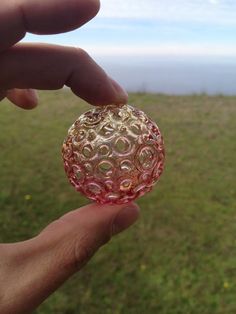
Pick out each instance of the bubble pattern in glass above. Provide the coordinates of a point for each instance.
(113, 155)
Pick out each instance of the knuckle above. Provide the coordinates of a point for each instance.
(78, 54)
(85, 248)
(83, 251)
(81, 53)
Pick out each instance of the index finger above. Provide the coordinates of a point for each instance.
(42, 17)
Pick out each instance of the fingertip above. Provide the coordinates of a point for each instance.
(81, 12)
(109, 219)
(127, 216)
(31, 98)
(108, 92)
(121, 94)
(23, 98)
(57, 16)
(93, 7)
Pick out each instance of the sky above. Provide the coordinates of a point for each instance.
(163, 46)
(170, 28)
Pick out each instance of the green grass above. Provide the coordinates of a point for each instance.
(180, 258)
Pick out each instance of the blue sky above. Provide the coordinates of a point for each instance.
(157, 28)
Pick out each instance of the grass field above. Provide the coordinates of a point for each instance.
(180, 258)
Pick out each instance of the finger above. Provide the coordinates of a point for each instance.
(42, 17)
(40, 265)
(51, 67)
(24, 98)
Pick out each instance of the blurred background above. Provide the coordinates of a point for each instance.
(176, 47)
(177, 59)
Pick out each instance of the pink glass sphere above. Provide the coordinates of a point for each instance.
(113, 155)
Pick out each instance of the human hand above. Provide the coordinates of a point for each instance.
(41, 66)
(31, 270)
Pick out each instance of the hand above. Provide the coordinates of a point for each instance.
(31, 270)
(42, 66)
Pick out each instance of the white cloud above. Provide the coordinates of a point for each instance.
(208, 11)
(165, 50)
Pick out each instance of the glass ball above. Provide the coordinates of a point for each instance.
(113, 154)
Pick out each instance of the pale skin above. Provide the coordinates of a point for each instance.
(33, 269)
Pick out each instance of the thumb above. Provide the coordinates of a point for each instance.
(43, 263)
(79, 234)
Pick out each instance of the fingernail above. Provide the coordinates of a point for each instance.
(122, 95)
(125, 218)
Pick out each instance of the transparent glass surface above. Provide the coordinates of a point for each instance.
(113, 155)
